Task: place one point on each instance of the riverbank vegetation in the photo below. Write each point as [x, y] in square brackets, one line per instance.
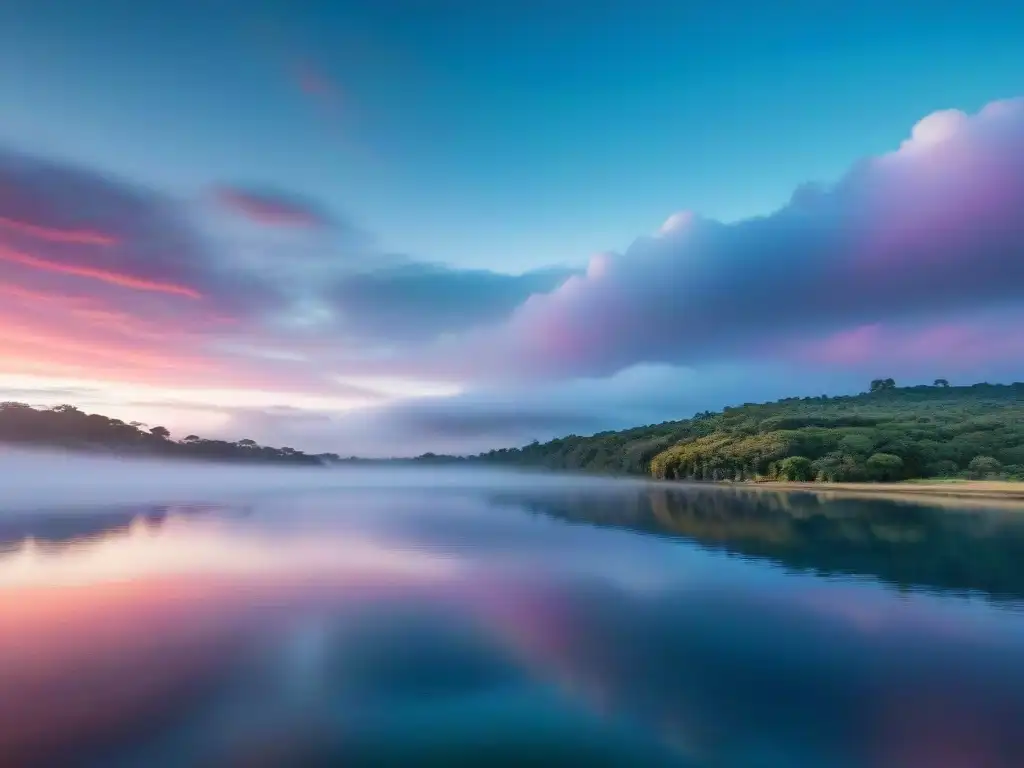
[887, 434]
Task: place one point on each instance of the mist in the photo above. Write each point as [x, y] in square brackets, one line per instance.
[38, 480]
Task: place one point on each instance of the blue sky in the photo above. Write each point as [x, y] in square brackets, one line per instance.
[448, 140]
[501, 135]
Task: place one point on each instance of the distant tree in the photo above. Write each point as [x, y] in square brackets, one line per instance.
[247, 443]
[983, 466]
[879, 385]
[941, 383]
[885, 467]
[66, 426]
[795, 469]
[837, 467]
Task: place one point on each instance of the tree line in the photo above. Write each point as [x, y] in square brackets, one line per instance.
[65, 426]
[889, 433]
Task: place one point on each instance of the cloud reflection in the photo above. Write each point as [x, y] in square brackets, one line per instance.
[378, 625]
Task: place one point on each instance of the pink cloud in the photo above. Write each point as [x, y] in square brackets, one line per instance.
[958, 344]
[270, 209]
[130, 294]
[95, 273]
[858, 345]
[79, 236]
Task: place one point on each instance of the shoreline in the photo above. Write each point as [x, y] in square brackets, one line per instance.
[984, 490]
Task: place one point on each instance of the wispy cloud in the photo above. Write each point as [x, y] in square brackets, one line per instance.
[95, 273]
[79, 236]
[271, 208]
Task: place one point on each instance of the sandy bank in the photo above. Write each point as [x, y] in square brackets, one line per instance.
[1010, 494]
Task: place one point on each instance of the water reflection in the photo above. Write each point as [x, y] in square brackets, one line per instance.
[908, 544]
[58, 528]
[378, 627]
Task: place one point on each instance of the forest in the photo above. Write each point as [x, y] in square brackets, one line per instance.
[65, 426]
[887, 434]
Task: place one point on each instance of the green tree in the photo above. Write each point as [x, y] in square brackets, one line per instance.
[943, 468]
[880, 385]
[795, 469]
[838, 467]
[885, 467]
[941, 383]
[983, 466]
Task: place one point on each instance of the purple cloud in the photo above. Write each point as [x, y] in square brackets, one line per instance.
[930, 229]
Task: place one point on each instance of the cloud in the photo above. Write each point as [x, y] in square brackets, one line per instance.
[104, 280]
[956, 344]
[96, 273]
[414, 301]
[272, 208]
[930, 229]
[411, 427]
[68, 228]
[482, 419]
[81, 236]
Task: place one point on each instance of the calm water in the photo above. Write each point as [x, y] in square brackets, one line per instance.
[512, 624]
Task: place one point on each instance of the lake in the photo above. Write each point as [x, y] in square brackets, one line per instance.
[448, 619]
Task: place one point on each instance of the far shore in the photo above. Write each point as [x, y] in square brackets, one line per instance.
[990, 490]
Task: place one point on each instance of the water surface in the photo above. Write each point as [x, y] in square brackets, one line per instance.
[511, 623]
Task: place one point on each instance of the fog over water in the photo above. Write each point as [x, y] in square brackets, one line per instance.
[44, 479]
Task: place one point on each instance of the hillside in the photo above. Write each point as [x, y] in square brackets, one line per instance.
[888, 434]
[66, 427]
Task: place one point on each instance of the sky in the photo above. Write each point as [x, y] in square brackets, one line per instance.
[395, 227]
